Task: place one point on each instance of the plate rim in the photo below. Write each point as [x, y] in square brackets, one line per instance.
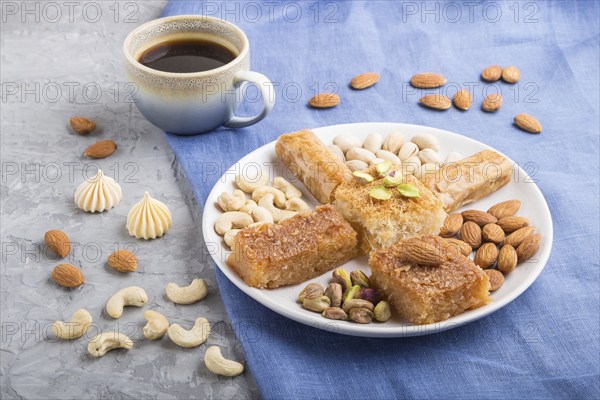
[371, 330]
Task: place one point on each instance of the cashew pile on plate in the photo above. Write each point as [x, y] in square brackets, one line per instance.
[419, 156]
[257, 202]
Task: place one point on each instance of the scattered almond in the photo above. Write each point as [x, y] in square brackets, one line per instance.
[511, 224]
[123, 261]
[82, 125]
[422, 253]
[481, 218]
[324, 100]
[505, 209]
[58, 242]
[492, 102]
[470, 233]
[486, 255]
[451, 225]
[492, 233]
[436, 101]
[365, 80]
[67, 275]
[491, 73]
[511, 74]
[427, 80]
[507, 259]
[463, 99]
[496, 278]
[462, 247]
[517, 237]
[528, 123]
[529, 247]
[101, 149]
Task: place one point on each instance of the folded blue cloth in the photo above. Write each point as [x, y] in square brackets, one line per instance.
[543, 345]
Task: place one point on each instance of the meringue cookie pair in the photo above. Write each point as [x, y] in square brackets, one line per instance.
[147, 219]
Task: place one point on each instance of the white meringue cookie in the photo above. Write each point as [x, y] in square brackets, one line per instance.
[98, 194]
[148, 218]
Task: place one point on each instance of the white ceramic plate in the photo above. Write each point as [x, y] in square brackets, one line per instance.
[283, 300]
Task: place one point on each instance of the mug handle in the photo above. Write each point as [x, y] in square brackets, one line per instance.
[268, 95]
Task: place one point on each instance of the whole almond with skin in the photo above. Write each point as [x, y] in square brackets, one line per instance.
[82, 125]
[451, 225]
[496, 279]
[462, 247]
[427, 80]
[123, 261]
[470, 233]
[101, 149]
[492, 102]
[492, 233]
[517, 237]
[511, 74]
[505, 209]
[491, 73]
[365, 80]
[529, 247]
[422, 253]
[507, 259]
[67, 275]
[486, 255]
[58, 241]
[324, 100]
[481, 218]
[511, 224]
[463, 99]
[436, 101]
[528, 123]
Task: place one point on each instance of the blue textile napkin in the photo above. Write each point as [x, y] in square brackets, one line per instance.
[545, 344]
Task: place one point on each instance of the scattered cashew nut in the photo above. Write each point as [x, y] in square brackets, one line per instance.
[130, 296]
[262, 216]
[103, 343]
[278, 195]
[192, 293]
[216, 363]
[231, 201]
[79, 324]
[278, 215]
[297, 204]
[248, 206]
[286, 187]
[229, 236]
[192, 338]
[249, 185]
[157, 325]
[232, 219]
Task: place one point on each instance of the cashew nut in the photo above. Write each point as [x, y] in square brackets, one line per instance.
[297, 204]
[278, 215]
[232, 219]
[229, 236]
[286, 187]
[157, 325]
[192, 293]
[278, 195]
[79, 324]
[262, 215]
[103, 343]
[249, 185]
[130, 296]
[248, 206]
[231, 201]
[192, 338]
[216, 363]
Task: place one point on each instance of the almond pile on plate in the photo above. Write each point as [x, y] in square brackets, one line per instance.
[499, 238]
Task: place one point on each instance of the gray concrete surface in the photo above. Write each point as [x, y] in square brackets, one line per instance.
[58, 61]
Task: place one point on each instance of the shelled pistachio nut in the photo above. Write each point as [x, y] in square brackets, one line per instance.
[316, 304]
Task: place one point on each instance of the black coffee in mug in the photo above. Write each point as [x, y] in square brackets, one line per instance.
[186, 55]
